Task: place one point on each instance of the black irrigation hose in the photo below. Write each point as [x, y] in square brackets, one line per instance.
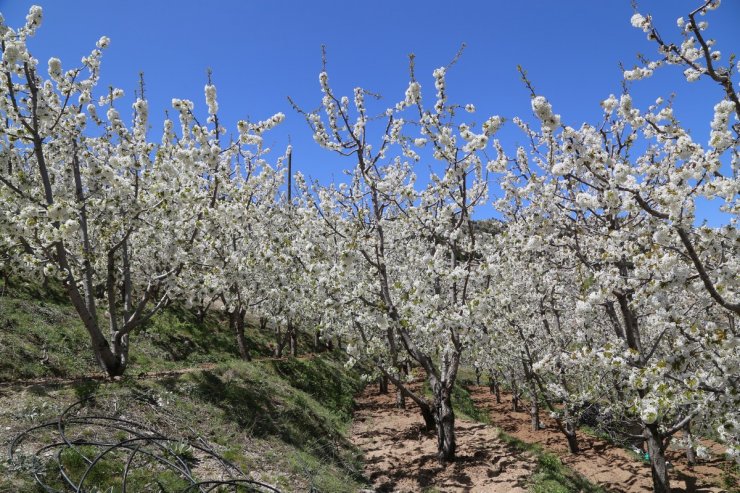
[145, 446]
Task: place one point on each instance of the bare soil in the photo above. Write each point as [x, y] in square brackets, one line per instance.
[401, 457]
[610, 466]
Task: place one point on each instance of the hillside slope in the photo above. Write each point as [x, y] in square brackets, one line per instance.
[282, 422]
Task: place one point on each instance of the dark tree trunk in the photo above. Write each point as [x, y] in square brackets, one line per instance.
[293, 341]
[400, 394]
[494, 386]
[317, 345]
[236, 320]
[115, 361]
[514, 396]
[569, 428]
[534, 405]
[400, 399]
[656, 450]
[572, 442]
[382, 384]
[445, 423]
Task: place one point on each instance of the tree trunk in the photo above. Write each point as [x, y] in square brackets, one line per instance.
[382, 384]
[514, 396]
[400, 394]
[317, 346]
[236, 320]
[400, 399]
[572, 442]
[569, 425]
[445, 423]
[293, 334]
[494, 386]
[534, 413]
[658, 466]
[113, 360]
[534, 405]
[690, 449]
[280, 340]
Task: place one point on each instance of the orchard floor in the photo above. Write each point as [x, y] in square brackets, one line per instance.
[400, 456]
[604, 464]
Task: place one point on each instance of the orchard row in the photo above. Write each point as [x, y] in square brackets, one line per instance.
[596, 289]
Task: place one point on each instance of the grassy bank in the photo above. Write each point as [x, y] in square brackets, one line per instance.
[282, 422]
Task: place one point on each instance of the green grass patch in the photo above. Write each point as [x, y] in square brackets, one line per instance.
[464, 406]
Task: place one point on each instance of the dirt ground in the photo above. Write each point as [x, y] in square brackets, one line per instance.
[611, 467]
[401, 457]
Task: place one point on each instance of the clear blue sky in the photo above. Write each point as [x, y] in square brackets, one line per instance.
[263, 51]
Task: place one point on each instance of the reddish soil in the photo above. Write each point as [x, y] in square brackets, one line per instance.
[602, 463]
[401, 457]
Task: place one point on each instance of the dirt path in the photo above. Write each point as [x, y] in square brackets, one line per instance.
[609, 466]
[400, 456]
[16, 385]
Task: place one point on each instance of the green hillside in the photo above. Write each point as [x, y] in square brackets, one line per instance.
[280, 421]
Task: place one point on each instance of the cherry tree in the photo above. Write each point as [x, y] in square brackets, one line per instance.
[111, 215]
[620, 198]
[408, 261]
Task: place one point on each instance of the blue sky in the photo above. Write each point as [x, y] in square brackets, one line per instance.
[263, 51]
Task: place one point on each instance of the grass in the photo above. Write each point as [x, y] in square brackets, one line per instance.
[250, 412]
[42, 336]
[551, 475]
[284, 421]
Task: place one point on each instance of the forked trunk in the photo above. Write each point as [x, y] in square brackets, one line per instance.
[658, 467]
[113, 361]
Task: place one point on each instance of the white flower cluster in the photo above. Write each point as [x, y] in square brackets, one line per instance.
[543, 110]
[720, 137]
[412, 96]
[210, 91]
[440, 84]
[641, 22]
